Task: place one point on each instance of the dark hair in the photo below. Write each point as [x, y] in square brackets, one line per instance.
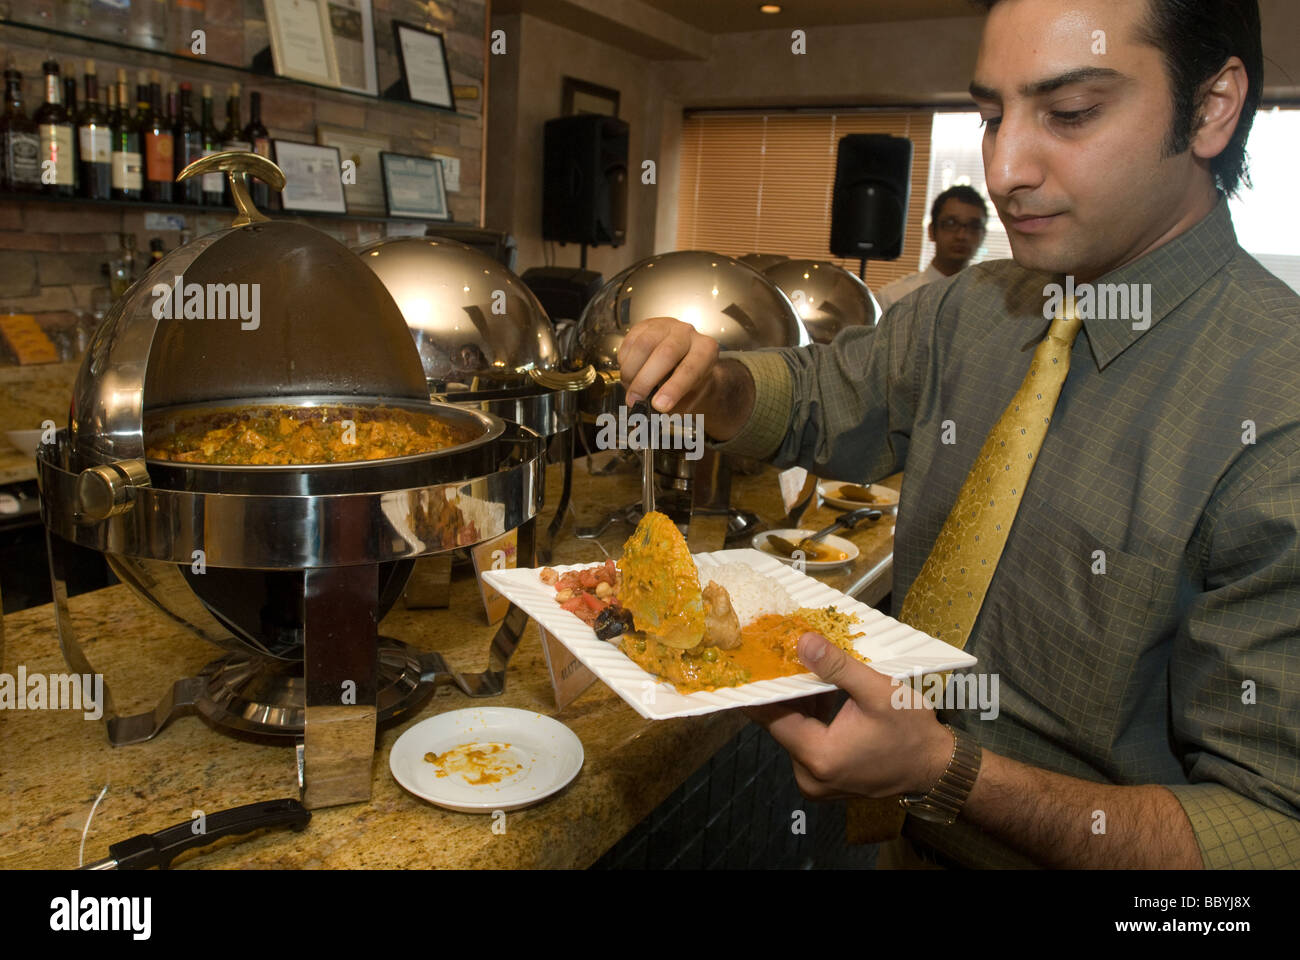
[1197, 37]
[960, 192]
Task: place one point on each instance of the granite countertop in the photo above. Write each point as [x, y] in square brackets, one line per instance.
[56, 763]
[28, 396]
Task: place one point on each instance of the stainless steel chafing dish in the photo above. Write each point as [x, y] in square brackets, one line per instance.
[290, 567]
[484, 340]
[827, 297]
[721, 297]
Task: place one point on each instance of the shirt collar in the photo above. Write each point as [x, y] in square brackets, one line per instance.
[933, 273]
[1166, 277]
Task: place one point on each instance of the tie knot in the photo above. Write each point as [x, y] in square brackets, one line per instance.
[1066, 327]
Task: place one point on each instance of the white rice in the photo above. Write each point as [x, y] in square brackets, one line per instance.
[752, 594]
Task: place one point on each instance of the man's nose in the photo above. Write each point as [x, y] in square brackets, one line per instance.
[1012, 161]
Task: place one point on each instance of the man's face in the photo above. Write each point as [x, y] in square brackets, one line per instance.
[1077, 111]
[957, 232]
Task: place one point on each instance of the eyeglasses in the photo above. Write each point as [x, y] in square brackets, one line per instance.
[953, 225]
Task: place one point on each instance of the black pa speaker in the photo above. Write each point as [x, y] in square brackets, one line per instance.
[563, 291]
[873, 184]
[584, 180]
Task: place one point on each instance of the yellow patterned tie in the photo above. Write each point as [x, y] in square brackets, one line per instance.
[945, 598]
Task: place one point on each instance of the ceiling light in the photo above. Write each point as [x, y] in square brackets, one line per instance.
[769, 8]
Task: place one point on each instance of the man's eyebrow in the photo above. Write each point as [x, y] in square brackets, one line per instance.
[1051, 84]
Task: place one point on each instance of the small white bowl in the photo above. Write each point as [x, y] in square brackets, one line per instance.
[25, 441]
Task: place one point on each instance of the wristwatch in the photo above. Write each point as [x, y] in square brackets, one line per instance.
[945, 799]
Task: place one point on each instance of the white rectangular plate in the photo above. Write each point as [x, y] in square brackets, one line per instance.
[894, 648]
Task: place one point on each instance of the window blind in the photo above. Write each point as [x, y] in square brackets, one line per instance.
[762, 183]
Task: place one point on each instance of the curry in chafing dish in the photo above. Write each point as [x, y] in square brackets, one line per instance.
[284, 435]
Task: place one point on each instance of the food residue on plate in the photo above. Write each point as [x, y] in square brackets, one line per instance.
[478, 763]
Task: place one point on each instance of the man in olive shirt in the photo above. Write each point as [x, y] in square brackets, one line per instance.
[1144, 617]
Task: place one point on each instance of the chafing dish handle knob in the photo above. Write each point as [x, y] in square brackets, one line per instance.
[108, 489]
[238, 165]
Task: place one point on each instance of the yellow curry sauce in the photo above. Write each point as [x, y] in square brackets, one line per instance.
[767, 650]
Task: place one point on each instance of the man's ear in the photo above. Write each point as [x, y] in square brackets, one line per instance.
[1222, 100]
[933, 238]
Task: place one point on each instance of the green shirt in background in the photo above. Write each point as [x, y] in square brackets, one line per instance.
[1172, 464]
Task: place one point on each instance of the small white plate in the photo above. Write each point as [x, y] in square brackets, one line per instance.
[548, 753]
[886, 499]
[794, 536]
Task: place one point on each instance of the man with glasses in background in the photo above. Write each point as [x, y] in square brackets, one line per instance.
[957, 224]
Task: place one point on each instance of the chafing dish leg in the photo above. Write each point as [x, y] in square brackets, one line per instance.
[178, 701]
[544, 551]
[341, 674]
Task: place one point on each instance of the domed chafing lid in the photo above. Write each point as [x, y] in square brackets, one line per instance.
[827, 297]
[473, 321]
[720, 297]
[265, 309]
[761, 261]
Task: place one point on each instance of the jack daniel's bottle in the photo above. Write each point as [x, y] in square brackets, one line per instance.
[20, 144]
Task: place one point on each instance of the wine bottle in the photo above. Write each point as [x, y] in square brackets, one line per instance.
[127, 156]
[20, 141]
[232, 135]
[212, 182]
[189, 147]
[260, 140]
[70, 106]
[58, 157]
[159, 148]
[96, 142]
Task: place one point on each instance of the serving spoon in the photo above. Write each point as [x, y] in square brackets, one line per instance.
[846, 521]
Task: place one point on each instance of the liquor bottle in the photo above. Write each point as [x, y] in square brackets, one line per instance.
[96, 142]
[189, 147]
[159, 148]
[173, 114]
[156, 252]
[212, 182]
[70, 105]
[20, 142]
[127, 156]
[232, 135]
[58, 158]
[256, 135]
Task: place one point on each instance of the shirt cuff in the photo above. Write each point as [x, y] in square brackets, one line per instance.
[766, 429]
[1235, 832]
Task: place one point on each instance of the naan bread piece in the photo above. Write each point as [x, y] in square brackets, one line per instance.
[660, 585]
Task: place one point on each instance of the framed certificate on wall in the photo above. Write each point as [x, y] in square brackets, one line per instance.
[312, 180]
[413, 187]
[363, 184]
[352, 32]
[302, 47]
[425, 73]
